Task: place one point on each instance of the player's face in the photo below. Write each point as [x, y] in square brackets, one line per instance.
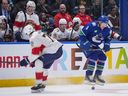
[3, 24]
[62, 27]
[30, 9]
[77, 27]
[103, 25]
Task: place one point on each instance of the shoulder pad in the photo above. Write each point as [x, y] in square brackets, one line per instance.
[57, 29]
[20, 12]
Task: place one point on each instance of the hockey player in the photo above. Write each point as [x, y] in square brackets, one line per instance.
[45, 50]
[75, 30]
[91, 36]
[61, 33]
[24, 18]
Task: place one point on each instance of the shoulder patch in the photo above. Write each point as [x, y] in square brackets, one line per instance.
[57, 29]
[93, 23]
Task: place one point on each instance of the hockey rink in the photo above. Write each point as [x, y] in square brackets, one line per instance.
[117, 89]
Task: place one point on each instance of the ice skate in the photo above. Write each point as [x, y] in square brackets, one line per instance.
[89, 80]
[38, 88]
[99, 80]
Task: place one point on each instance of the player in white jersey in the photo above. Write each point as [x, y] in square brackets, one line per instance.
[6, 34]
[45, 50]
[61, 33]
[75, 30]
[24, 18]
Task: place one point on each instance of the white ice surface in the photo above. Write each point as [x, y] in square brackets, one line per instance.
[118, 89]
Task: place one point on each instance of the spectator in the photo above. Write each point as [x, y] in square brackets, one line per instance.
[19, 6]
[114, 18]
[6, 34]
[111, 4]
[24, 18]
[72, 5]
[61, 33]
[85, 19]
[62, 14]
[54, 6]
[96, 9]
[117, 3]
[46, 22]
[42, 6]
[5, 9]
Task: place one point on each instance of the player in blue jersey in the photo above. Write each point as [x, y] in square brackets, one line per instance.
[93, 34]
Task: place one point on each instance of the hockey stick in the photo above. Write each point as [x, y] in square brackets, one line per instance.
[87, 50]
[73, 29]
[98, 49]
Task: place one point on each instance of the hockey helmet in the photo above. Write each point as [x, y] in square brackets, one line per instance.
[31, 3]
[103, 19]
[76, 19]
[2, 17]
[0, 20]
[62, 21]
[28, 29]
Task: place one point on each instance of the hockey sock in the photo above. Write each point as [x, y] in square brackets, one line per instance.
[45, 76]
[100, 67]
[38, 71]
[90, 66]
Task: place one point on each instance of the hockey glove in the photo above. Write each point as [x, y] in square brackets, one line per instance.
[106, 47]
[121, 38]
[24, 62]
[18, 36]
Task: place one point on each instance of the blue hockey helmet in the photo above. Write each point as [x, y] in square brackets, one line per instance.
[103, 19]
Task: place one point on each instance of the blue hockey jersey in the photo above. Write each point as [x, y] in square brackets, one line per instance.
[94, 34]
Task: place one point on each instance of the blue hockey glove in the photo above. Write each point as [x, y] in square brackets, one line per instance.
[24, 62]
[106, 47]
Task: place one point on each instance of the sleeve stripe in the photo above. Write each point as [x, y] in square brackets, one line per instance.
[37, 50]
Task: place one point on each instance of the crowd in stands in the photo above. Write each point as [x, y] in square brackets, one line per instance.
[62, 19]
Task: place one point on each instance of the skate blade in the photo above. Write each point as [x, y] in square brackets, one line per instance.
[89, 83]
[37, 91]
[99, 83]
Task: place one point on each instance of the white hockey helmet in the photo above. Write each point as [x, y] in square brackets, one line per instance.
[28, 29]
[62, 21]
[77, 19]
[2, 17]
[31, 3]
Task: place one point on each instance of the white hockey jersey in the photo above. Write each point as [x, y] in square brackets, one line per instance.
[74, 34]
[59, 35]
[20, 22]
[42, 44]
